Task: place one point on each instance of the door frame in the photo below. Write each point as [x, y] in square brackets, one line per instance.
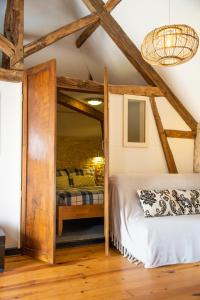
[24, 155]
[92, 87]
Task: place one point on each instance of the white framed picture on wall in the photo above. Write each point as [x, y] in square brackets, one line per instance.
[135, 121]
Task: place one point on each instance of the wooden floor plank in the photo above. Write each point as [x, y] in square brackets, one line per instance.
[85, 273]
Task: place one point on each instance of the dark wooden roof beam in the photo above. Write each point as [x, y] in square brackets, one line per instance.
[109, 6]
[58, 34]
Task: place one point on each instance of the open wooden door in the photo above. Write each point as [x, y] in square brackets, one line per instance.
[39, 206]
[106, 156]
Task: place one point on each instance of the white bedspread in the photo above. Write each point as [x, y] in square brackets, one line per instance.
[154, 241]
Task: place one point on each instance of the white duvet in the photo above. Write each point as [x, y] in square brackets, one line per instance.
[154, 241]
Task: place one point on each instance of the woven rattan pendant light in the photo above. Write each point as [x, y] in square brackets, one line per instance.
[170, 45]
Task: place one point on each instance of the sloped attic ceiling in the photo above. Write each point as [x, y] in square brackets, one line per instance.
[136, 18]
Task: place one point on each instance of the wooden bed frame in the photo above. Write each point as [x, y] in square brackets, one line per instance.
[77, 212]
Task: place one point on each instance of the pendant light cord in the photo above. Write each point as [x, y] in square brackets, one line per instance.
[169, 12]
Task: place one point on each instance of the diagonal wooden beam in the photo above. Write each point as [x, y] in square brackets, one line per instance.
[79, 106]
[58, 34]
[133, 54]
[163, 139]
[109, 6]
[6, 46]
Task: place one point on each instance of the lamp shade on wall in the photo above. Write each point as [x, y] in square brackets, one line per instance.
[170, 45]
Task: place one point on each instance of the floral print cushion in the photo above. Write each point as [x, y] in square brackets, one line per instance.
[189, 201]
[156, 203]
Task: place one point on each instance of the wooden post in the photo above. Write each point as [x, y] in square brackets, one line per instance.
[14, 32]
[5, 58]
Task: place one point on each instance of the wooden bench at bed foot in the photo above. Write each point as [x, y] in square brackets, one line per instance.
[77, 212]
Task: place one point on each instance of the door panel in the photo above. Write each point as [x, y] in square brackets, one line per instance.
[106, 155]
[40, 209]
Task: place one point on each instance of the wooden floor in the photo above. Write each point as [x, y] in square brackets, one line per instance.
[85, 273]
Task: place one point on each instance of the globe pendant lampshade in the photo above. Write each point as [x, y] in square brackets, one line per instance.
[170, 45]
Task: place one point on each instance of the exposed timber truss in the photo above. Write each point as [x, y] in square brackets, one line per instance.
[14, 52]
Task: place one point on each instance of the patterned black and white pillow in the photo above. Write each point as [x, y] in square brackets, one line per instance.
[157, 203]
[189, 201]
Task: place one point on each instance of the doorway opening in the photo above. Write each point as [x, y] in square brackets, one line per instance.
[79, 168]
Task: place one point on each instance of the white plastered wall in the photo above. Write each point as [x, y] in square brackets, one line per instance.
[10, 160]
[150, 159]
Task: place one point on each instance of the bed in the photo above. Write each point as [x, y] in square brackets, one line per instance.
[153, 241]
[79, 203]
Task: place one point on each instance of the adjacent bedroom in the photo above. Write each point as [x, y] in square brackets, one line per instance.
[79, 168]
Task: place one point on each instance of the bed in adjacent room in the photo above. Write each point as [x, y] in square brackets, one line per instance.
[154, 241]
[78, 196]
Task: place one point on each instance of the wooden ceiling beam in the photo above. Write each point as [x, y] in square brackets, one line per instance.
[133, 54]
[90, 86]
[78, 85]
[79, 106]
[11, 75]
[58, 34]
[135, 90]
[180, 134]
[109, 6]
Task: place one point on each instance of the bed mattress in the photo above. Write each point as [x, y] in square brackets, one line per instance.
[153, 241]
[91, 195]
